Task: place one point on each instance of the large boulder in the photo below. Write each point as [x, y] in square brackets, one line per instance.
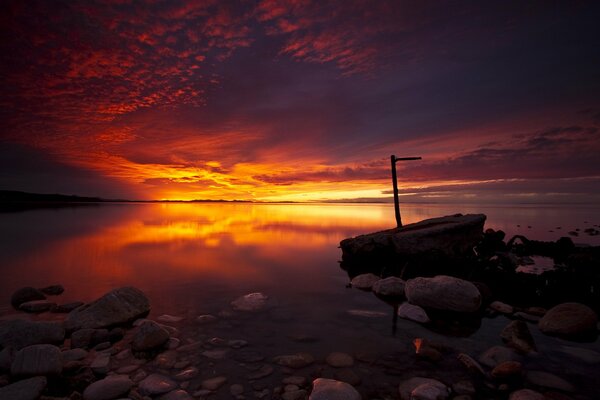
[19, 333]
[443, 293]
[116, 307]
[27, 389]
[451, 236]
[329, 389]
[149, 336]
[569, 320]
[39, 359]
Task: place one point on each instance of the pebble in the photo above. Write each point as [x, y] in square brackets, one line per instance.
[237, 343]
[470, 363]
[262, 372]
[173, 343]
[74, 355]
[430, 391]
[156, 384]
[111, 387]
[517, 335]
[169, 319]
[294, 395]
[294, 380]
[215, 354]
[507, 369]
[496, 355]
[464, 387]
[149, 336]
[299, 360]
[100, 364]
[127, 369]
[37, 306]
[24, 295]
[213, 383]
[526, 394]
[406, 388]
[52, 290]
[339, 360]
[329, 389]
[178, 394]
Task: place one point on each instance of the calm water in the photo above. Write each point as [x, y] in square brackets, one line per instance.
[194, 259]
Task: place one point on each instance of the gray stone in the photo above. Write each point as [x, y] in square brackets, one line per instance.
[364, 281]
[116, 307]
[548, 381]
[27, 389]
[213, 383]
[299, 360]
[38, 359]
[109, 388]
[19, 333]
[150, 335]
[250, 302]
[413, 313]
[329, 389]
[339, 360]
[526, 394]
[569, 320]
[406, 388]
[37, 306]
[25, 294]
[443, 293]
[389, 287]
[156, 384]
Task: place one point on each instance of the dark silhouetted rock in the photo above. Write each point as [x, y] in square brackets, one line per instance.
[389, 287]
[569, 320]
[39, 359]
[548, 381]
[329, 389]
[53, 290]
[364, 281]
[407, 387]
[413, 313]
[20, 333]
[27, 389]
[116, 307]
[443, 293]
[156, 384]
[299, 360]
[149, 336]
[109, 388]
[507, 369]
[517, 335]
[24, 295]
[66, 308]
[87, 338]
[37, 306]
[526, 394]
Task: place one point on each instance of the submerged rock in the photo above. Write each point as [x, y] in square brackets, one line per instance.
[501, 307]
[299, 360]
[443, 293]
[213, 383]
[548, 381]
[38, 359]
[364, 281]
[27, 389]
[37, 306]
[118, 306]
[389, 287]
[569, 320]
[52, 290]
[156, 384]
[407, 387]
[250, 302]
[149, 336]
[25, 294]
[20, 333]
[496, 355]
[329, 389]
[517, 335]
[339, 360]
[112, 387]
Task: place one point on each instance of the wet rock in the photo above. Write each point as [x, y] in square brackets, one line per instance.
[101, 363]
[66, 308]
[213, 383]
[548, 381]
[507, 369]
[205, 319]
[169, 319]
[262, 372]
[156, 384]
[178, 394]
[429, 353]
[118, 306]
[299, 360]
[443, 293]
[173, 343]
[413, 313]
[470, 363]
[52, 290]
[517, 335]
[20, 333]
[86, 338]
[364, 281]
[25, 294]
[430, 391]
[406, 388]
[237, 343]
[37, 306]
[27, 389]
[569, 320]
[149, 336]
[74, 355]
[389, 287]
[339, 360]
[128, 369]
[329, 389]
[502, 308]
[236, 389]
[526, 394]
[496, 355]
[250, 302]
[109, 388]
[38, 359]
[187, 374]
[218, 354]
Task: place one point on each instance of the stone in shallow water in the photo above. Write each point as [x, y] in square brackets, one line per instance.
[339, 360]
[169, 319]
[389, 287]
[74, 355]
[507, 369]
[149, 336]
[187, 374]
[205, 319]
[443, 293]
[215, 354]
[53, 290]
[548, 381]
[37, 306]
[156, 384]
[178, 394]
[262, 372]
[413, 313]
[517, 335]
[27, 389]
[430, 391]
[25, 294]
[250, 302]
[214, 383]
[569, 320]
[39, 359]
[367, 313]
[405, 388]
[20, 333]
[330, 389]
[109, 388]
[116, 307]
[586, 355]
[101, 363]
[364, 281]
[299, 360]
[502, 307]
[496, 355]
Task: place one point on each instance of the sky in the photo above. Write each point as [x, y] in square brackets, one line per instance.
[301, 100]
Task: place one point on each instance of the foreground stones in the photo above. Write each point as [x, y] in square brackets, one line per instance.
[443, 293]
[39, 359]
[364, 281]
[389, 287]
[111, 387]
[27, 389]
[20, 333]
[569, 320]
[423, 388]
[24, 295]
[329, 389]
[149, 336]
[517, 335]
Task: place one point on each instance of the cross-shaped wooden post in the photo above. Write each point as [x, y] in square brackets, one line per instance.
[394, 160]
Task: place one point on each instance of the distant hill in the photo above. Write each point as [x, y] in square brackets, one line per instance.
[13, 196]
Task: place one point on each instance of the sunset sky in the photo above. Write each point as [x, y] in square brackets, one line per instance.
[301, 100]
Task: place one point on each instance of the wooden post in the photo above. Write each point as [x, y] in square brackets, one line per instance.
[393, 161]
